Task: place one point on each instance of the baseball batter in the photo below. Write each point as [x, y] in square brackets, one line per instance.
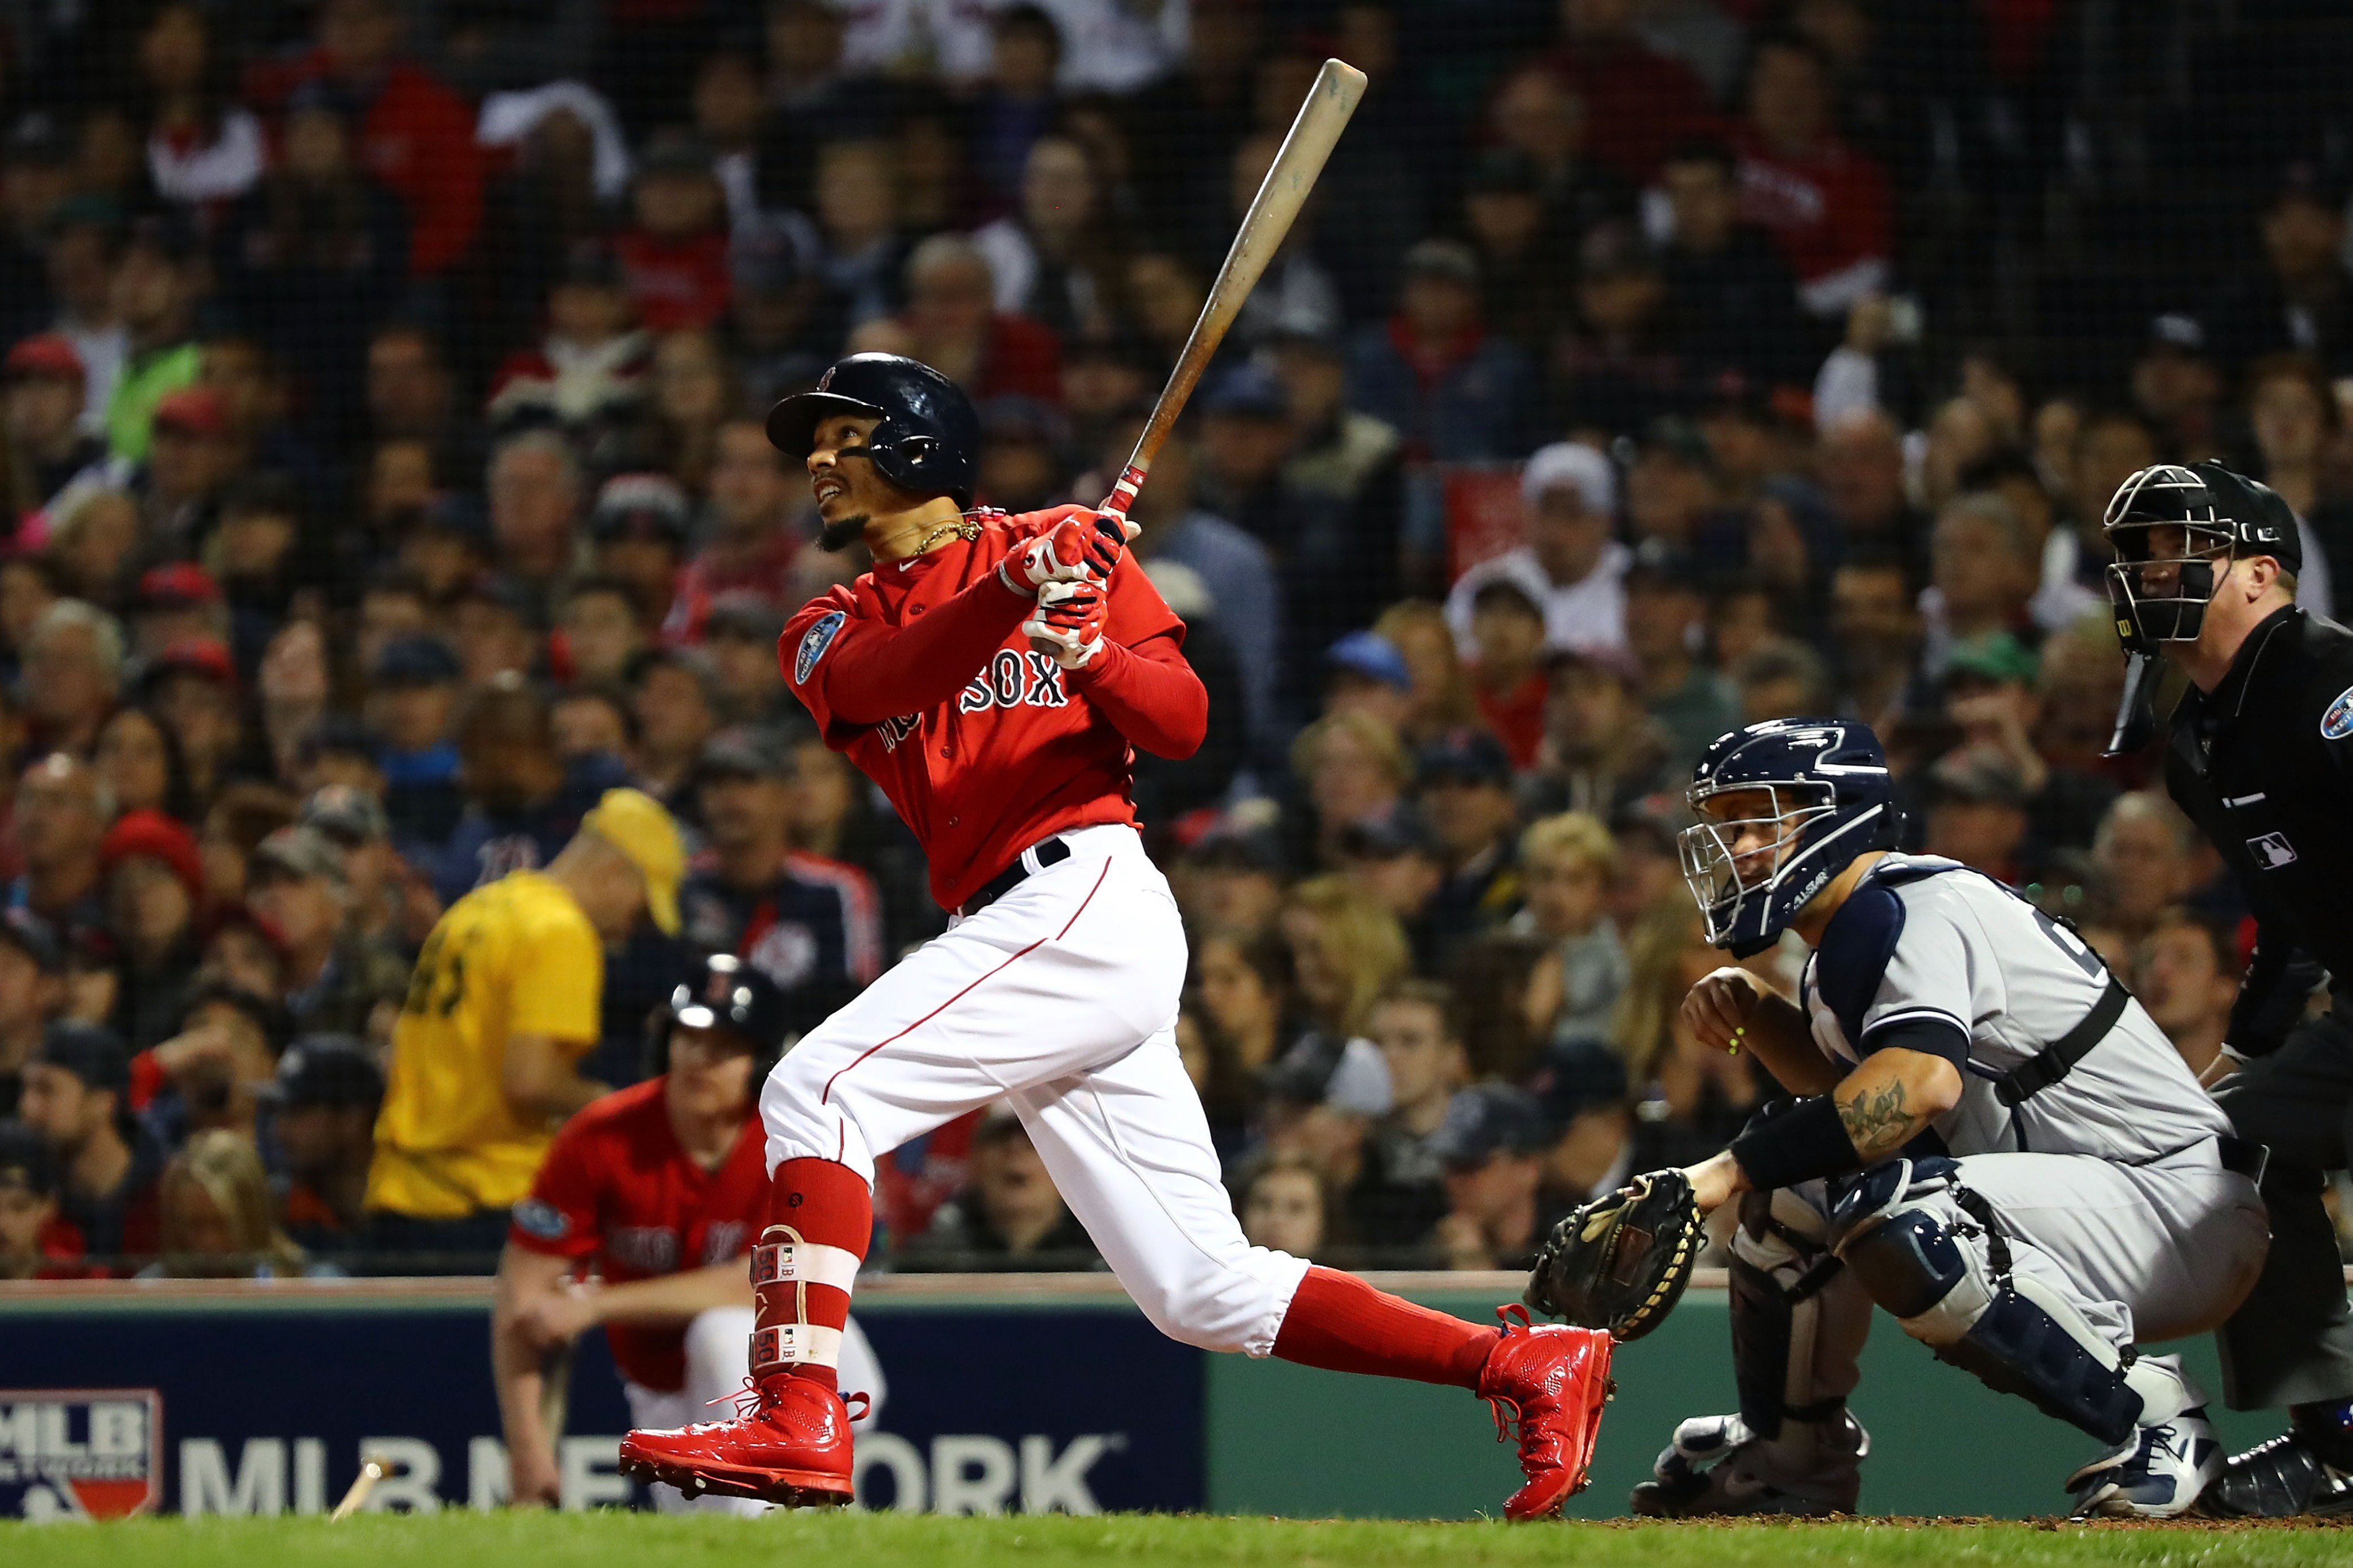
[1997, 1146]
[993, 675]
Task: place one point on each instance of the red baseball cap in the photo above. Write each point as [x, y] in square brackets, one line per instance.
[192, 410]
[45, 353]
[195, 656]
[177, 587]
[156, 836]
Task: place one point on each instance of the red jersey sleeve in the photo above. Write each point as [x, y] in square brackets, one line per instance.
[1140, 681]
[560, 1218]
[808, 639]
[853, 671]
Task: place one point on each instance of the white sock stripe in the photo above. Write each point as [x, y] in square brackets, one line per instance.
[804, 1263]
[794, 1345]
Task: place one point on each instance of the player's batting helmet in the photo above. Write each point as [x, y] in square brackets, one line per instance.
[1824, 798]
[729, 994]
[929, 440]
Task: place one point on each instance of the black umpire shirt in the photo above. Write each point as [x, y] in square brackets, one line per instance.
[2264, 764]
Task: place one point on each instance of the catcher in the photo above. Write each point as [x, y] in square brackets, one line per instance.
[1992, 1142]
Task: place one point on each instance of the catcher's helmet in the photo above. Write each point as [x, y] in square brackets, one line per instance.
[2170, 524]
[929, 440]
[1827, 799]
[728, 995]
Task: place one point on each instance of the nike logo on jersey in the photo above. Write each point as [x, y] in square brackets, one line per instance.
[1014, 680]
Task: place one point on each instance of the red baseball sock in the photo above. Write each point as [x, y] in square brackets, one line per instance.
[820, 1219]
[1339, 1322]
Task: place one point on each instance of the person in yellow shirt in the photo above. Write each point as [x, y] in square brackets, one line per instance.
[505, 1001]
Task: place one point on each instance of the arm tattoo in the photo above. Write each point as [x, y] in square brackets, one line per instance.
[1878, 1123]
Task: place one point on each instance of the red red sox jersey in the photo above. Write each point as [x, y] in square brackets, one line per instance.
[618, 1189]
[1018, 754]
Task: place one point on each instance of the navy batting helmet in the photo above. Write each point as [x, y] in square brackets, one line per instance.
[929, 440]
[1825, 798]
[728, 995]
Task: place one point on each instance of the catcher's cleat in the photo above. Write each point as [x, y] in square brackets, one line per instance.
[2281, 1478]
[789, 1443]
[1716, 1468]
[2157, 1472]
[1551, 1382]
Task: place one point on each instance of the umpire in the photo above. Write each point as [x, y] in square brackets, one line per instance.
[2259, 755]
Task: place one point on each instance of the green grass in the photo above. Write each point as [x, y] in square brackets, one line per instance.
[895, 1540]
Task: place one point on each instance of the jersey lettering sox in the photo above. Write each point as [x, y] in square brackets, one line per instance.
[1018, 755]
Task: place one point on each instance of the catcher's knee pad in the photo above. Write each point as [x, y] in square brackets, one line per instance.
[2011, 1334]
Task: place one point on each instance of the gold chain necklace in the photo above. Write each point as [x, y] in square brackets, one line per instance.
[965, 527]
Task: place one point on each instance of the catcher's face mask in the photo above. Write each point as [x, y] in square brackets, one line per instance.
[1737, 855]
[2172, 547]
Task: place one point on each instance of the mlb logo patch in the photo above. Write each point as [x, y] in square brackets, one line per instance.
[2338, 722]
[2272, 850]
[81, 1453]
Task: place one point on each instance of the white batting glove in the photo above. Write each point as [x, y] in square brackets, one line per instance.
[1068, 622]
[1073, 544]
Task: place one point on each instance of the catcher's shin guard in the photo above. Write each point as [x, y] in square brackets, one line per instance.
[1798, 1321]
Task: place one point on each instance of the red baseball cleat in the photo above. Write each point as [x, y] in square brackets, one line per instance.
[788, 1444]
[1554, 1380]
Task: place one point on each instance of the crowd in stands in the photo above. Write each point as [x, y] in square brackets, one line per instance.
[383, 479]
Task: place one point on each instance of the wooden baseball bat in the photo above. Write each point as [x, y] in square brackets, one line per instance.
[372, 1470]
[1339, 87]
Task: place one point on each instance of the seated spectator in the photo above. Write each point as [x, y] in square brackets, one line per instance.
[193, 688]
[1616, 366]
[601, 630]
[1637, 101]
[590, 367]
[1055, 259]
[1566, 864]
[243, 955]
[412, 697]
[1859, 456]
[326, 1127]
[1696, 1100]
[1825, 202]
[32, 992]
[214, 1219]
[154, 887]
[1781, 680]
[1364, 674]
[1599, 1144]
[1976, 814]
[1008, 1218]
[1394, 861]
[1601, 750]
[386, 898]
[75, 1096]
[1875, 632]
[246, 813]
[215, 1070]
[2300, 296]
[336, 979]
[752, 541]
[1350, 769]
[693, 393]
[158, 280]
[1506, 667]
[740, 635]
[1439, 699]
[812, 926]
[1285, 1207]
[493, 626]
[1402, 1193]
[1489, 1145]
[41, 430]
[34, 1243]
[92, 545]
[1983, 576]
[1731, 297]
[1339, 453]
[955, 326]
[1453, 393]
[2187, 974]
[2143, 864]
[1241, 1006]
[1464, 791]
[138, 762]
[72, 674]
[1231, 883]
[671, 693]
[673, 254]
[1665, 612]
[58, 823]
[638, 530]
[524, 803]
[1345, 951]
[1570, 565]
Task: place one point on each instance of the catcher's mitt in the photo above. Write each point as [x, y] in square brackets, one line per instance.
[1620, 1262]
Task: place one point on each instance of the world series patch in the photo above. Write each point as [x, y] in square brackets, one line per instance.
[814, 642]
[2338, 723]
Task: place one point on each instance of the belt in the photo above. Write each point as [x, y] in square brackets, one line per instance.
[1029, 863]
[2242, 1156]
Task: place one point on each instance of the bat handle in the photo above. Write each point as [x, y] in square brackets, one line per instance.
[1122, 495]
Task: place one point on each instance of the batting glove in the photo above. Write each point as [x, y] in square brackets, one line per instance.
[1068, 622]
[1073, 544]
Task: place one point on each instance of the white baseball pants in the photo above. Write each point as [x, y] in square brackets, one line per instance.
[1060, 998]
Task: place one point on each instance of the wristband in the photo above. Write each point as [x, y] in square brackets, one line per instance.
[1807, 1142]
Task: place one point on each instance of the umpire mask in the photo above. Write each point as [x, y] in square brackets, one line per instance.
[2175, 528]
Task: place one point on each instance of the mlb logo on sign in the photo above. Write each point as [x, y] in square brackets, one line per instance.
[81, 1453]
[2272, 851]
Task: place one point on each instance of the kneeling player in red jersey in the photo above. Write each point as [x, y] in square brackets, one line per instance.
[659, 1187]
[993, 674]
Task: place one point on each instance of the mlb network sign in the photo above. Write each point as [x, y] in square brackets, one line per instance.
[81, 1453]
